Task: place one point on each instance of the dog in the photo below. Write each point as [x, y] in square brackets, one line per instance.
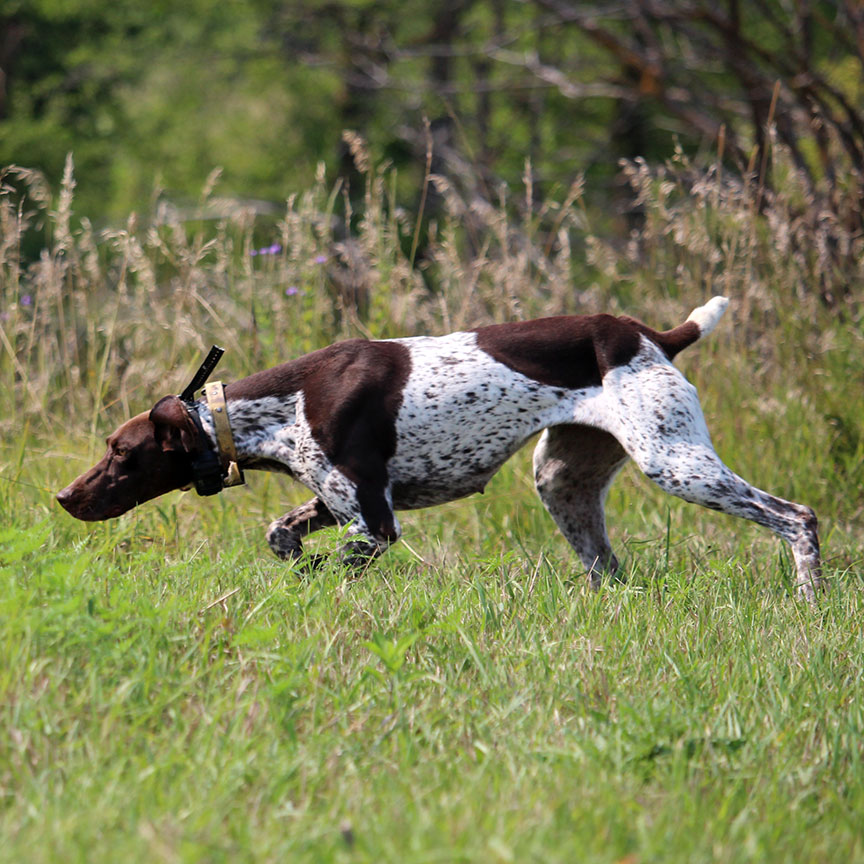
[373, 427]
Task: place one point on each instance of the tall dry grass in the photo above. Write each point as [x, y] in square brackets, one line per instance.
[101, 321]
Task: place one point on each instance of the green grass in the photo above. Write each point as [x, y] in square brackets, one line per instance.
[479, 705]
[169, 692]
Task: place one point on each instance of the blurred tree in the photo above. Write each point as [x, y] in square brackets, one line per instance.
[165, 92]
[707, 66]
[159, 94]
[726, 73]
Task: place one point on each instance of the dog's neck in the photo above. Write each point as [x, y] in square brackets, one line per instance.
[260, 427]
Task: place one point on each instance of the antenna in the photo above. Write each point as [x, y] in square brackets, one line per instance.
[203, 373]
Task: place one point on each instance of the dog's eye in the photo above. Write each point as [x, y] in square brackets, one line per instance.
[125, 458]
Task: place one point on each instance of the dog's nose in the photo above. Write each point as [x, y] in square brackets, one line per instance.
[64, 496]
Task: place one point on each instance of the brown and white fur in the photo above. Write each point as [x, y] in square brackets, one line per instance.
[372, 427]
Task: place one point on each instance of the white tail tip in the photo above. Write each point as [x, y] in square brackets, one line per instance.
[708, 315]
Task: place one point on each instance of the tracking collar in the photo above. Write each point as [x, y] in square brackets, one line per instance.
[212, 469]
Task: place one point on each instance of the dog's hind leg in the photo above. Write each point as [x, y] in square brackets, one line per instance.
[286, 534]
[573, 469]
[655, 413]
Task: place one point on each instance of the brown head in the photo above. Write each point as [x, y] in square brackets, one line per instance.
[149, 455]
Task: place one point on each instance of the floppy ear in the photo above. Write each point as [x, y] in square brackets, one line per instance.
[174, 427]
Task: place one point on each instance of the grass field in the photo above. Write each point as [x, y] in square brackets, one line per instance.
[170, 692]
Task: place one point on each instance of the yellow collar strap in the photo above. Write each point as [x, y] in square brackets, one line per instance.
[214, 393]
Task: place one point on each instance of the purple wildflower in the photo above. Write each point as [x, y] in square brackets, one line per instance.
[321, 259]
[26, 300]
[291, 290]
[275, 249]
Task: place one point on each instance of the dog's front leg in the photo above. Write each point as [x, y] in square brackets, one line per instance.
[372, 524]
[286, 534]
[362, 506]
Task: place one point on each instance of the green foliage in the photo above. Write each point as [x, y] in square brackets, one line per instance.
[152, 96]
[128, 87]
[170, 692]
[695, 714]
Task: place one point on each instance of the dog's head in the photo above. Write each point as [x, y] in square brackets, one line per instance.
[149, 455]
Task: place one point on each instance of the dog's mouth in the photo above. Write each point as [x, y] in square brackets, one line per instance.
[84, 510]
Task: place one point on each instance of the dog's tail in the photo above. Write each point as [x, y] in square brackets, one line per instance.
[706, 317]
[699, 323]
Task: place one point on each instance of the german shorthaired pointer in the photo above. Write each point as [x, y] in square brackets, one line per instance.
[376, 426]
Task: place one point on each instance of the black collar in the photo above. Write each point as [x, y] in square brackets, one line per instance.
[206, 466]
